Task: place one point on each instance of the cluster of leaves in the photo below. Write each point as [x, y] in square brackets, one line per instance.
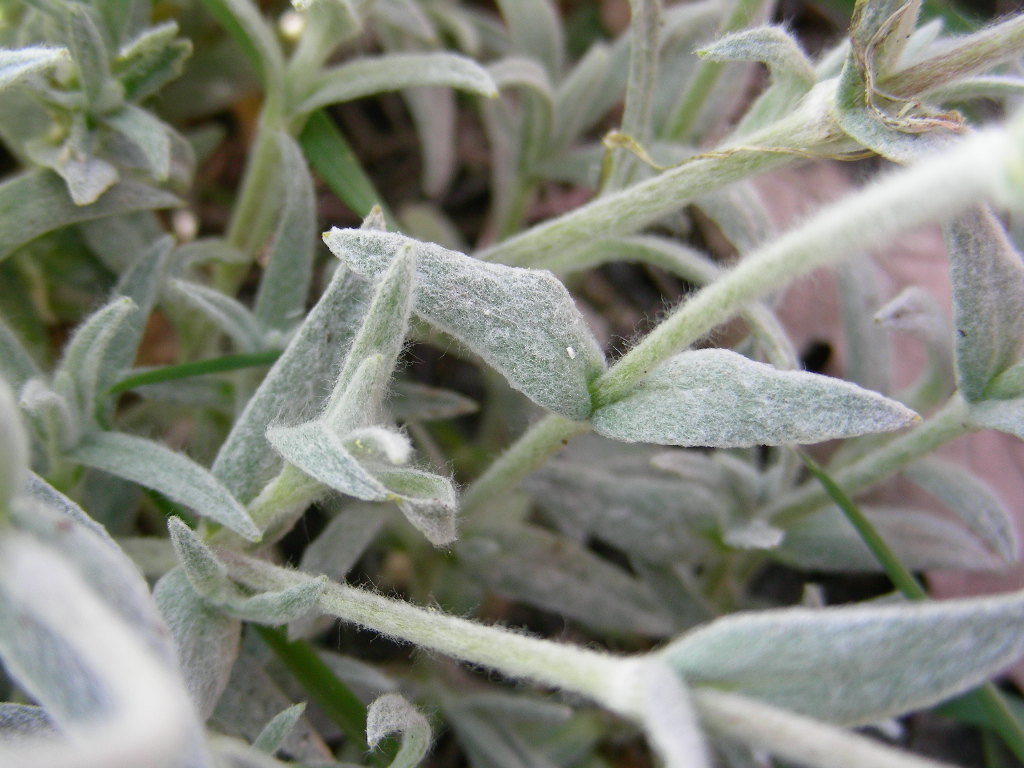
[125, 646]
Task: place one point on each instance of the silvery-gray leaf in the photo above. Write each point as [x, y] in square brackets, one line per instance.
[206, 574]
[973, 501]
[272, 737]
[855, 664]
[583, 97]
[118, 240]
[88, 668]
[987, 275]
[405, 16]
[866, 359]
[252, 698]
[791, 71]
[14, 450]
[381, 444]
[52, 415]
[36, 202]
[982, 87]
[277, 607]
[205, 638]
[336, 549]
[281, 298]
[377, 74]
[18, 62]
[921, 540]
[147, 133]
[22, 720]
[647, 514]
[717, 398]
[535, 30]
[551, 572]
[521, 72]
[741, 214]
[152, 58]
[87, 177]
[85, 544]
[207, 250]
[366, 680]
[434, 117]
[92, 358]
[155, 466]
[320, 452]
[493, 310]
[16, 364]
[490, 742]
[90, 54]
[392, 713]
[428, 501]
[668, 717]
[410, 401]
[295, 386]
[360, 390]
[1004, 415]
[1007, 385]
[228, 315]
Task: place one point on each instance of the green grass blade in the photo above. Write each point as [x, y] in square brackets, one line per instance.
[986, 704]
[196, 368]
[333, 159]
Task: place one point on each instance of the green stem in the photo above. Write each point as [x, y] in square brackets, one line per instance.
[332, 695]
[945, 425]
[195, 368]
[528, 453]
[703, 82]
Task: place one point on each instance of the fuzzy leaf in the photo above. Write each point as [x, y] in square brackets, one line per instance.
[19, 62]
[90, 55]
[92, 359]
[922, 541]
[1004, 415]
[987, 275]
[548, 571]
[151, 60]
[717, 398]
[85, 544]
[392, 713]
[229, 315]
[416, 402]
[281, 299]
[84, 665]
[37, 202]
[320, 452]
[206, 574]
[294, 387]
[176, 476]
[86, 176]
[428, 501]
[16, 364]
[359, 390]
[148, 134]
[277, 607]
[52, 414]
[521, 72]
[583, 97]
[493, 310]
[14, 451]
[536, 31]
[273, 735]
[669, 718]
[335, 551]
[205, 638]
[973, 502]
[791, 71]
[393, 72]
[18, 721]
[855, 664]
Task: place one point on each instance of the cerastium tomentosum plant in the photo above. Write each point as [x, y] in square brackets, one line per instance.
[124, 646]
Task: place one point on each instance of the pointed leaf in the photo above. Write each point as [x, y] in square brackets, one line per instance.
[921, 540]
[380, 338]
[176, 476]
[294, 387]
[855, 664]
[230, 316]
[536, 31]
[206, 640]
[206, 574]
[37, 202]
[277, 607]
[148, 134]
[428, 501]
[973, 502]
[414, 402]
[669, 718]
[493, 310]
[717, 398]
[987, 275]
[320, 452]
[335, 551]
[90, 54]
[281, 299]
[546, 570]
[272, 737]
[92, 359]
[378, 74]
[16, 364]
[392, 713]
[18, 62]
[151, 60]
